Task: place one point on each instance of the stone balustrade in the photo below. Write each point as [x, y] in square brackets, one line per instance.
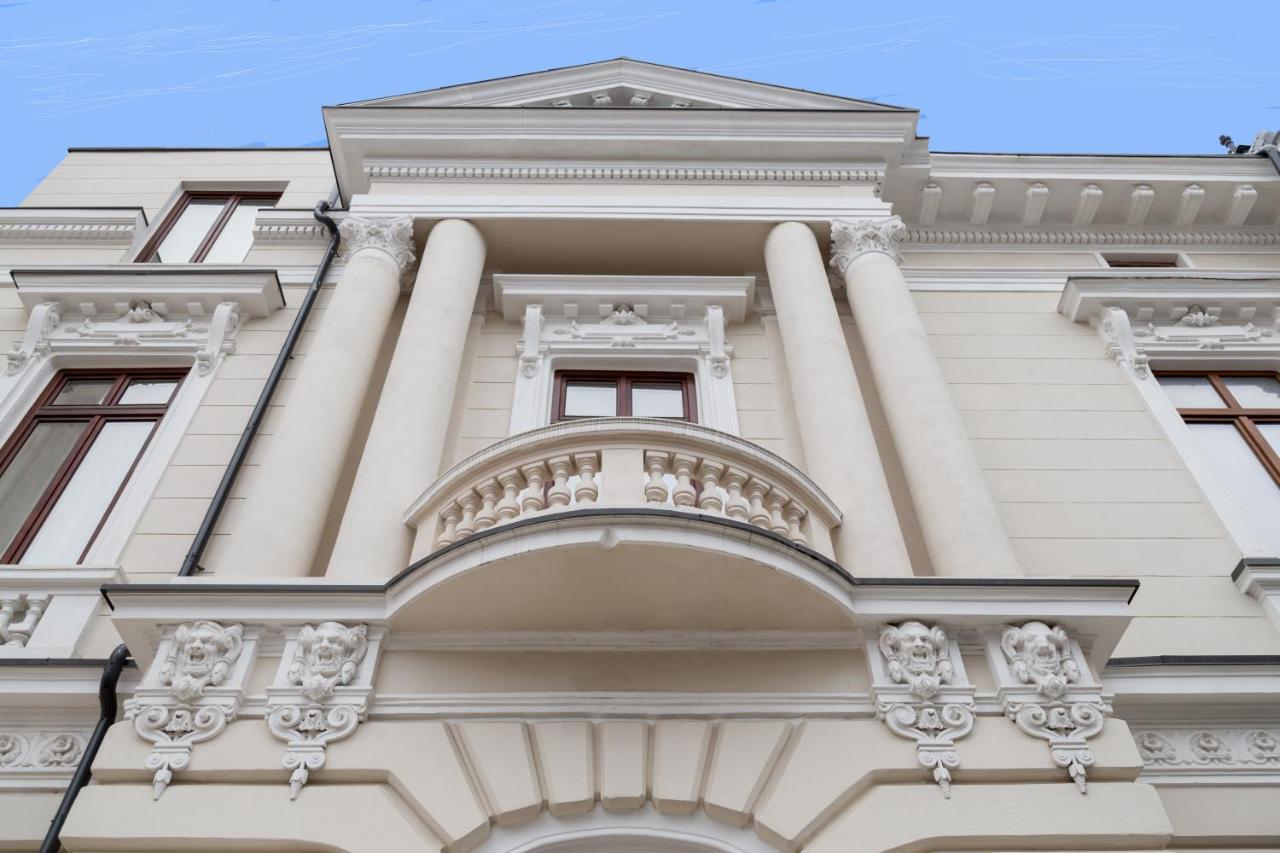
[622, 462]
[19, 615]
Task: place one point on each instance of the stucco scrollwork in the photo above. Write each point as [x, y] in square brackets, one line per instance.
[925, 699]
[1044, 693]
[318, 705]
[34, 753]
[191, 698]
[392, 235]
[1231, 752]
[852, 238]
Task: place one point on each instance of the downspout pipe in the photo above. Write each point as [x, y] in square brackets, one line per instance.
[191, 563]
[107, 705]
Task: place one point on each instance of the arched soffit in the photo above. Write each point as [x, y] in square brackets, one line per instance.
[622, 569]
[645, 831]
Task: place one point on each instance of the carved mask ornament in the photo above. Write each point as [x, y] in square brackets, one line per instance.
[327, 657]
[202, 656]
[916, 655]
[1040, 655]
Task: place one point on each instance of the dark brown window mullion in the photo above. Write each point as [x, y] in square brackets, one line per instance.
[1266, 453]
[215, 230]
[128, 475]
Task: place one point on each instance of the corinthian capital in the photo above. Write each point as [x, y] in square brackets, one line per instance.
[391, 234]
[851, 238]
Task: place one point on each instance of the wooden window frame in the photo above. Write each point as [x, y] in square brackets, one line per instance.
[625, 381]
[109, 411]
[1244, 419]
[149, 253]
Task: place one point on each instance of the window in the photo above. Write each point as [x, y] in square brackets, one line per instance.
[211, 228]
[1234, 418]
[598, 394]
[64, 467]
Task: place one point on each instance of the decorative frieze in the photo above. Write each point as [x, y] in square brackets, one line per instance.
[322, 693]
[1086, 237]
[1043, 688]
[1234, 751]
[40, 750]
[920, 692]
[194, 689]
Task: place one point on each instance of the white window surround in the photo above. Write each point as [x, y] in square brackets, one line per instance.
[653, 323]
[180, 192]
[1150, 322]
[131, 317]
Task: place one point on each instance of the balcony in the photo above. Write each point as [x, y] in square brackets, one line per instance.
[623, 463]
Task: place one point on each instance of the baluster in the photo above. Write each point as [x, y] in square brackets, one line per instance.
[736, 507]
[535, 490]
[757, 514]
[793, 513]
[20, 634]
[488, 515]
[709, 474]
[655, 490]
[559, 495]
[775, 500]
[8, 608]
[588, 489]
[449, 518]
[509, 507]
[469, 502]
[684, 494]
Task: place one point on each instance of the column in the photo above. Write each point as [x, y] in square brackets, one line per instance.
[283, 519]
[957, 515]
[839, 449]
[406, 440]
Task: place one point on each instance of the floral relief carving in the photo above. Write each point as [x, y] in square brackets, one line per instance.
[924, 703]
[1262, 747]
[24, 752]
[1155, 748]
[325, 657]
[181, 713]
[12, 749]
[1214, 750]
[60, 751]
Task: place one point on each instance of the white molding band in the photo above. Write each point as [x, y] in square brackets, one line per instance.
[411, 171]
[1088, 237]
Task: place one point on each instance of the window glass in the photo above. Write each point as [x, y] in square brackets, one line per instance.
[236, 236]
[189, 231]
[657, 400]
[75, 516]
[1191, 392]
[32, 469]
[1254, 392]
[155, 392]
[1271, 432]
[83, 392]
[590, 399]
[1242, 473]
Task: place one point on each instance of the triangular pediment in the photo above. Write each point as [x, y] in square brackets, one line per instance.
[624, 83]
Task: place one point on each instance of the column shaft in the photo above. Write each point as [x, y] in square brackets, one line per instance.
[406, 440]
[957, 514]
[283, 519]
[840, 451]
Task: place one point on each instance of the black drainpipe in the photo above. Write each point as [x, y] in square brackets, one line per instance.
[191, 563]
[106, 717]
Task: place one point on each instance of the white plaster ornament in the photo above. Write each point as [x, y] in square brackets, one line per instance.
[326, 657]
[201, 657]
[917, 657]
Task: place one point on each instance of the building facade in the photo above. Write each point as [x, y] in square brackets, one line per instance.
[623, 458]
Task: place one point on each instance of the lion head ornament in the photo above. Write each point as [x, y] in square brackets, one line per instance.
[201, 657]
[917, 657]
[1040, 655]
[327, 657]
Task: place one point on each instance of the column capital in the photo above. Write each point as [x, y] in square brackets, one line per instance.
[390, 234]
[852, 238]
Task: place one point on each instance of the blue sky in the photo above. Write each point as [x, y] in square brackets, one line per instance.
[1026, 76]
